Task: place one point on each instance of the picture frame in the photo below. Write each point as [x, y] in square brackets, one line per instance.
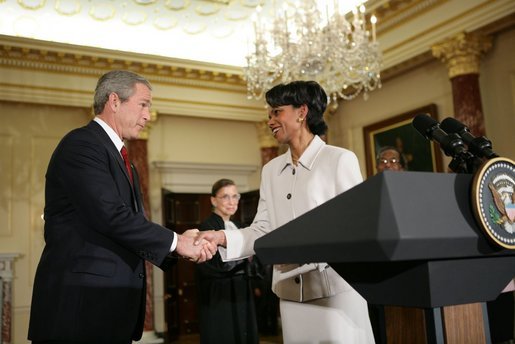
[419, 153]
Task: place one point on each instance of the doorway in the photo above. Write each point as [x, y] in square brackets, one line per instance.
[182, 211]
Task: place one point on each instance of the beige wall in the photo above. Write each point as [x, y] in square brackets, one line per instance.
[497, 82]
[28, 135]
[199, 140]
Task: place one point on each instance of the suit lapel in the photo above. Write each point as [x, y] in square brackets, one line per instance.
[115, 155]
[137, 190]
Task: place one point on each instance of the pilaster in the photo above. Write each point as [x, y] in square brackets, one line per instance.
[462, 55]
[6, 278]
[138, 150]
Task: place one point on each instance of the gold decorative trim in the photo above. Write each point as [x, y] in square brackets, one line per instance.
[251, 3]
[394, 13]
[102, 12]
[144, 134]
[207, 9]
[236, 14]
[165, 22]
[28, 55]
[67, 8]
[134, 18]
[145, 2]
[35, 58]
[462, 52]
[34, 5]
[492, 200]
[177, 5]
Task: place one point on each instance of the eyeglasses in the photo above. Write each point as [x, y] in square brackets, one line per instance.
[227, 198]
[392, 161]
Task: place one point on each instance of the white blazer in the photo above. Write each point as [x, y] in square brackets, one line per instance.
[286, 192]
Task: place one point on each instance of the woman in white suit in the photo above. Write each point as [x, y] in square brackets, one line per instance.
[317, 305]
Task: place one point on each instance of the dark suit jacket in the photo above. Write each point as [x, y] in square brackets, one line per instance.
[90, 282]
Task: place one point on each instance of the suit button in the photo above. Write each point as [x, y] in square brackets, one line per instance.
[297, 280]
[141, 275]
[293, 172]
[288, 196]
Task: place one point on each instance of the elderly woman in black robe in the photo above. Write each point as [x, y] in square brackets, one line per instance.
[226, 304]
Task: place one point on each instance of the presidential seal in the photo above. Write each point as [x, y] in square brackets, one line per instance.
[493, 199]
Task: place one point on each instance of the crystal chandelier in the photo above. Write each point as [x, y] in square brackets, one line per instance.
[302, 43]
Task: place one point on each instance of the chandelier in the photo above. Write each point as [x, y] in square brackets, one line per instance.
[303, 43]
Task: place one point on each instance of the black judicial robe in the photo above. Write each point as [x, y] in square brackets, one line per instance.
[226, 303]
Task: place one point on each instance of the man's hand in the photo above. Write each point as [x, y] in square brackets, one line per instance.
[215, 237]
[196, 252]
[191, 232]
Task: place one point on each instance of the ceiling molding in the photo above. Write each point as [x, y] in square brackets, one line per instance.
[38, 72]
[58, 57]
[416, 37]
[492, 29]
[198, 177]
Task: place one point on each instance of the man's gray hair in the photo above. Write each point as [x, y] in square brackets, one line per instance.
[121, 82]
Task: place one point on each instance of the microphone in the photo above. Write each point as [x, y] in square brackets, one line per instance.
[479, 146]
[451, 144]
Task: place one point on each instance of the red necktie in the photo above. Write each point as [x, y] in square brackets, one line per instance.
[125, 156]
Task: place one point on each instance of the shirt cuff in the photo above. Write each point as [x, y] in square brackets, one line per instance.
[234, 246]
[174, 242]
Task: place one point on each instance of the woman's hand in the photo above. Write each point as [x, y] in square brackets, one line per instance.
[216, 238]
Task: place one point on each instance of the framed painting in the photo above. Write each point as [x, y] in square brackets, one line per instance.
[418, 153]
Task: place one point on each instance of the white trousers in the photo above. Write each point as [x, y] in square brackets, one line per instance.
[342, 318]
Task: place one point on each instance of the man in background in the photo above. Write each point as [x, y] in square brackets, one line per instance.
[389, 158]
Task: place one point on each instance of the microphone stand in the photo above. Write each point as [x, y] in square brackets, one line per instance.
[462, 160]
[465, 162]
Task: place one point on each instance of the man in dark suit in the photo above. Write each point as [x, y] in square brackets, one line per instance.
[90, 282]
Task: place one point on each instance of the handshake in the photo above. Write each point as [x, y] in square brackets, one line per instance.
[199, 246]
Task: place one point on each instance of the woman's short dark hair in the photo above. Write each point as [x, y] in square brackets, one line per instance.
[220, 184]
[298, 93]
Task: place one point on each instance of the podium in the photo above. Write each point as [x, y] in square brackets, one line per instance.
[400, 238]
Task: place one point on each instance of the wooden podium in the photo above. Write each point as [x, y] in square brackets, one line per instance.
[405, 239]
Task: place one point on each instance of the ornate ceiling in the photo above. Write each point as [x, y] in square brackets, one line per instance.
[216, 31]
[34, 68]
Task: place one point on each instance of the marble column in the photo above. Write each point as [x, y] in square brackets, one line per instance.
[267, 143]
[462, 54]
[6, 277]
[138, 152]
